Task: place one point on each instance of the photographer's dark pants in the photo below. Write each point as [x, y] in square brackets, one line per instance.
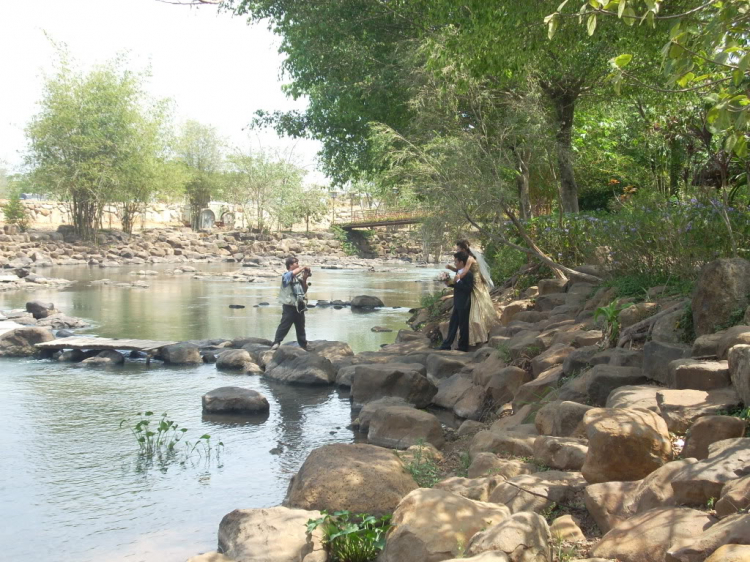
[289, 316]
[459, 323]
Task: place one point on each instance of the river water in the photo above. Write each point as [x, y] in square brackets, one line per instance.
[71, 484]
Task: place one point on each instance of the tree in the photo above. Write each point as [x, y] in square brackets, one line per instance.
[263, 180]
[311, 204]
[344, 57]
[200, 150]
[86, 144]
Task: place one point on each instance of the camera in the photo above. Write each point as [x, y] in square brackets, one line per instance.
[308, 271]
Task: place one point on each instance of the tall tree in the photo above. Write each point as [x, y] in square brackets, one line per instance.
[200, 150]
[85, 144]
[344, 57]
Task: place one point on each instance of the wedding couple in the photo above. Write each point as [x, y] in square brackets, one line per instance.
[473, 312]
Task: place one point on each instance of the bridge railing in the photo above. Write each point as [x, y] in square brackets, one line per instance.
[384, 216]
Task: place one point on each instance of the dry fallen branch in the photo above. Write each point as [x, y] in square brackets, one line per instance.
[632, 333]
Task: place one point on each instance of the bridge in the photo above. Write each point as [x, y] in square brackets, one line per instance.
[370, 219]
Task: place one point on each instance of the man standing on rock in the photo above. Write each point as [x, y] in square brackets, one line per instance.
[293, 302]
[462, 289]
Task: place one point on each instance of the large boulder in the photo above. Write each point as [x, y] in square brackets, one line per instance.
[739, 371]
[478, 489]
[403, 380]
[335, 351]
[460, 394]
[555, 355]
[235, 360]
[735, 529]
[595, 385]
[723, 287]
[624, 444]
[561, 453]
[433, 525]
[657, 356]
[680, 408]
[366, 301]
[735, 496]
[400, 427]
[648, 536]
[730, 553]
[294, 365]
[183, 353]
[21, 341]
[536, 390]
[539, 491]
[727, 460]
[503, 385]
[516, 443]
[445, 364]
[524, 537]
[234, 400]
[736, 335]
[275, 534]
[708, 430]
[698, 375]
[642, 397]
[609, 503]
[365, 415]
[561, 419]
[354, 477]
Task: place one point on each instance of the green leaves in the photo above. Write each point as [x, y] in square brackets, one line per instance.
[591, 24]
[621, 61]
[351, 538]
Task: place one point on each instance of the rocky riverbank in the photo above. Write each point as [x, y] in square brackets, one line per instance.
[569, 449]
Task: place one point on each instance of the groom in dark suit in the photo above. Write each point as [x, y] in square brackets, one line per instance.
[461, 305]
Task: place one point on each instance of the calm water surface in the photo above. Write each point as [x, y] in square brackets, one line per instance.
[71, 487]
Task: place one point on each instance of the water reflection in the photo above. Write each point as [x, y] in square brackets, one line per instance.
[71, 487]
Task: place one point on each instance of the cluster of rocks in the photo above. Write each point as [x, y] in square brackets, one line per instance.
[594, 432]
[179, 245]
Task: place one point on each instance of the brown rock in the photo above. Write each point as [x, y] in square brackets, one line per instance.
[610, 503]
[736, 335]
[706, 345]
[21, 341]
[536, 390]
[252, 535]
[354, 477]
[722, 288]
[404, 380]
[647, 536]
[514, 443]
[739, 371]
[555, 355]
[400, 427]
[561, 453]
[624, 444]
[504, 384]
[524, 537]
[735, 496]
[731, 553]
[697, 483]
[565, 528]
[548, 487]
[735, 529]
[708, 430]
[680, 408]
[698, 375]
[561, 419]
[641, 397]
[477, 489]
[489, 464]
[432, 525]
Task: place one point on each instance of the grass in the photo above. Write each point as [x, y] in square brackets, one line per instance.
[465, 463]
[504, 352]
[422, 468]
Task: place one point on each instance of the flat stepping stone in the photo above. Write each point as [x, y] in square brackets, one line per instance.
[234, 400]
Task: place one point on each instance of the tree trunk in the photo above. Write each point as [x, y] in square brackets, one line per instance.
[564, 103]
[522, 183]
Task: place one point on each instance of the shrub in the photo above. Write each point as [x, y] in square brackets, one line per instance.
[350, 538]
[15, 213]
[422, 468]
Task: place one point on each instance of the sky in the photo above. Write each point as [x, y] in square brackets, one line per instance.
[216, 68]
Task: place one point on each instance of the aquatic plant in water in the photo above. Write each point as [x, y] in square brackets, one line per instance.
[162, 441]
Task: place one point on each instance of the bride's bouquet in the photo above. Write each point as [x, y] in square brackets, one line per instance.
[443, 277]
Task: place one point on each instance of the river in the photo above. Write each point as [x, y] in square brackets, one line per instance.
[71, 485]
